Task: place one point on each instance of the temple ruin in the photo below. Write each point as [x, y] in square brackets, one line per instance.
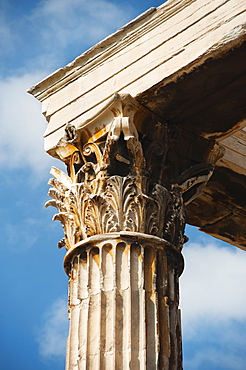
[151, 125]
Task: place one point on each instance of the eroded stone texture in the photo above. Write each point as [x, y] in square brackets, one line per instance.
[185, 61]
[122, 207]
[124, 303]
[134, 176]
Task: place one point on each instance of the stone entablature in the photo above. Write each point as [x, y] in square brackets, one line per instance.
[158, 47]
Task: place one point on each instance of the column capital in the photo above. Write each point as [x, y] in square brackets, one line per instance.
[124, 175]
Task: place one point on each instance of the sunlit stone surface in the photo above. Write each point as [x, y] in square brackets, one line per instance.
[151, 125]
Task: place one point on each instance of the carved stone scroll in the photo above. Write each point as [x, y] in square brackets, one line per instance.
[122, 207]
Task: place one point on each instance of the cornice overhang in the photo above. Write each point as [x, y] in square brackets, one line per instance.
[185, 63]
[161, 47]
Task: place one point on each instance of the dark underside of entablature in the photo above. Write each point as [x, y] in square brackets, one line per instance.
[209, 102]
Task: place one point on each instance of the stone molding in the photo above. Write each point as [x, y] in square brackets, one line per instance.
[129, 237]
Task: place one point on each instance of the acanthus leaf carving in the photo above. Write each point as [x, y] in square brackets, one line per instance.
[120, 206]
[124, 180]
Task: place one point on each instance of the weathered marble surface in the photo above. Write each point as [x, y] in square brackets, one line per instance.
[161, 45]
[124, 304]
[185, 61]
[139, 167]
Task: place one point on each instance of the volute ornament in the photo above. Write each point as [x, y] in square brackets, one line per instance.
[125, 177]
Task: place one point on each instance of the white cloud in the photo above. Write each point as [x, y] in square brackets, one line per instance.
[52, 336]
[211, 285]
[213, 301]
[55, 25]
[21, 125]
[69, 21]
[53, 32]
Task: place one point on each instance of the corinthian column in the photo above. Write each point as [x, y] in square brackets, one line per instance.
[122, 209]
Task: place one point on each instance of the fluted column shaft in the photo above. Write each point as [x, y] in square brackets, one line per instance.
[123, 302]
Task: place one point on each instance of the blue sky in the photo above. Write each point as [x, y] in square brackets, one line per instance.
[36, 38]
